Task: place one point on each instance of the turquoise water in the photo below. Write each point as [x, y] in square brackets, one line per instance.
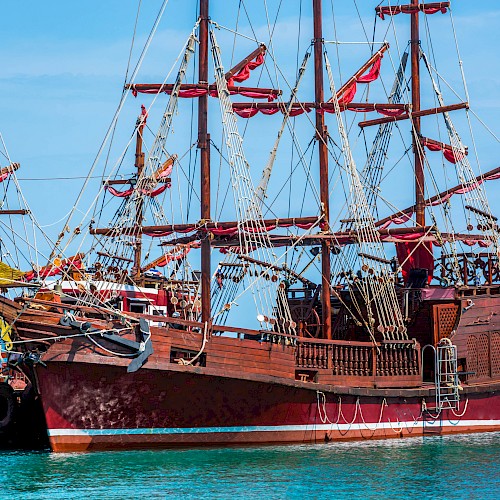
[433, 467]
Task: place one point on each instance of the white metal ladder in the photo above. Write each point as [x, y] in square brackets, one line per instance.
[447, 383]
[445, 375]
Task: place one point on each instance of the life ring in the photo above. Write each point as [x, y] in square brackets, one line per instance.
[7, 406]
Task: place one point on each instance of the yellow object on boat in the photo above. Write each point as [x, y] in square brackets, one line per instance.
[5, 330]
[9, 274]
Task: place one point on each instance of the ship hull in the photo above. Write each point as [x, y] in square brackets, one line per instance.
[100, 406]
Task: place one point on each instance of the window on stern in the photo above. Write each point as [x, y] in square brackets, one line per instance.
[138, 307]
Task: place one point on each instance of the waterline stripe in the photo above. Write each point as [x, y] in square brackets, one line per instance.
[269, 428]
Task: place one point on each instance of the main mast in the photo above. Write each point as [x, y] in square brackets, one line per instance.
[204, 146]
[322, 136]
[415, 98]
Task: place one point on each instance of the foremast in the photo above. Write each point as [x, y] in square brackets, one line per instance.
[139, 206]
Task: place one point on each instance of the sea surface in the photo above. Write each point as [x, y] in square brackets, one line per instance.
[454, 467]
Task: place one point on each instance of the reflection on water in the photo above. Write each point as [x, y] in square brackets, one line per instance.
[466, 466]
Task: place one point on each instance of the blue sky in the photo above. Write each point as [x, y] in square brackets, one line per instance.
[63, 66]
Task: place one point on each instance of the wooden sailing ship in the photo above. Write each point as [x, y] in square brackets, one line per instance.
[125, 356]
[21, 417]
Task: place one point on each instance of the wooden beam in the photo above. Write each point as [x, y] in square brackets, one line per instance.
[338, 238]
[117, 257]
[260, 50]
[441, 145]
[113, 182]
[284, 268]
[430, 201]
[13, 212]
[418, 114]
[10, 168]
[201, 226]
[481, 212]
[157, 88]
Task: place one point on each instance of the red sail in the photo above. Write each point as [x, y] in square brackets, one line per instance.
[415, 255]
[244, 73]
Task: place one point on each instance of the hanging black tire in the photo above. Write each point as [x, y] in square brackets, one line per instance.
[7, 407]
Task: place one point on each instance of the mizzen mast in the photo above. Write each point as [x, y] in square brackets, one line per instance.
[322, 136]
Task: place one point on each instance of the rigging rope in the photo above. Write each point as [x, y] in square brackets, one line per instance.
[378, 283]
[268, 294]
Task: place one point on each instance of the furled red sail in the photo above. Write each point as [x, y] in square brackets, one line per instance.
[155, 192]
[349, 93]
[119, 194]
[393, 10]
[177, 253]
[251, 109]
[244, 73]
[448, 152]
[147, 192]
[231, 230]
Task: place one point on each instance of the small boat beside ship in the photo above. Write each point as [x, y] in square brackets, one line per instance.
[298, 327]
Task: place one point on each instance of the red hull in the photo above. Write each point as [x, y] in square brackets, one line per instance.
[99, 406]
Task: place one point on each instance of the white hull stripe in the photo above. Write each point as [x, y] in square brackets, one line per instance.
[395, 426]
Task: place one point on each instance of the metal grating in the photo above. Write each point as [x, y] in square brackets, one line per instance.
[472, 355]
[447, 318]
[495, 354]
[483, 356]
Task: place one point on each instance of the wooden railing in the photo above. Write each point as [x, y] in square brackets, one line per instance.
[401, 360]
[313, 354]
[359, 359]
[353, 360]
